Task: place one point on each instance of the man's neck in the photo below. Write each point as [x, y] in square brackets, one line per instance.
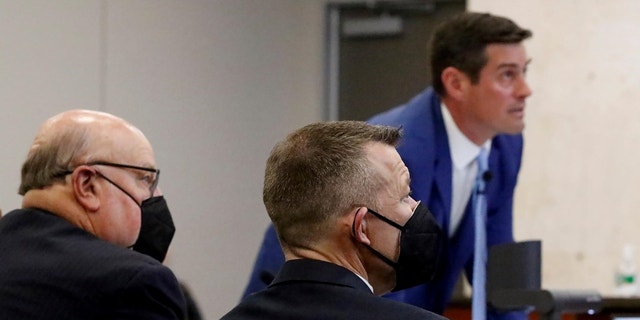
[465, 124]
[55, 199]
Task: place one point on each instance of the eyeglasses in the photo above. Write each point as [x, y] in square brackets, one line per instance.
[152, 180]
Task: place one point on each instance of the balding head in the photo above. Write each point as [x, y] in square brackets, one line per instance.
[67, 173]
[71, 138]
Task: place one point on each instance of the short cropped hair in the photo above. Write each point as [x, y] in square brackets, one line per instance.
[319, 173]
[461, 41]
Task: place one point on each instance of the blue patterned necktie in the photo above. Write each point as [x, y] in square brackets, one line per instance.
[478, 298]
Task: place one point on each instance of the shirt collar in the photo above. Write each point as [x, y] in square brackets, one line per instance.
[463, 151]
[365, 281]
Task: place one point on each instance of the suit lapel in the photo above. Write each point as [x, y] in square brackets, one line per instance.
[426, 153]
[442, 167]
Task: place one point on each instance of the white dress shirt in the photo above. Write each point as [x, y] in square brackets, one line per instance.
[463, 168]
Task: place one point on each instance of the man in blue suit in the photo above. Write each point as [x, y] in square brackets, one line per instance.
[477, 101]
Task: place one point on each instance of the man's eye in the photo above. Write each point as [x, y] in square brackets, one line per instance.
[509, 75]
[147, 179]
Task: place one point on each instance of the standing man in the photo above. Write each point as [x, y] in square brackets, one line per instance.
[478, 65]
[90, 194]
[338, 196]
[477, 101]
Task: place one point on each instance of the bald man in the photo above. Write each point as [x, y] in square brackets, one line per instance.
[90, 201]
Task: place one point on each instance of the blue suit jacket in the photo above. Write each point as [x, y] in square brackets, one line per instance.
[425, 151]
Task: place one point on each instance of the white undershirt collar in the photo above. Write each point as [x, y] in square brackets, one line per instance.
[462, 150]
[365, 282]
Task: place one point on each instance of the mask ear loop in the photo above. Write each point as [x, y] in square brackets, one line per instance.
[387, 220]
[353, 224]
[386, 260]
[119, 187]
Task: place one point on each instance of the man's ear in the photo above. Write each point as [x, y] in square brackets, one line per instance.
[85, 187]
[455, 82]
[359, 228]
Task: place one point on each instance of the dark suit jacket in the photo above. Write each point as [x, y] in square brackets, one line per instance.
[50, 269]
[312, 289]
[425, 150]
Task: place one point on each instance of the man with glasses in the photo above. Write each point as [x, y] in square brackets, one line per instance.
[90, 202]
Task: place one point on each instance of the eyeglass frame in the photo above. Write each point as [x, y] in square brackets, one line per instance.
[153, 186]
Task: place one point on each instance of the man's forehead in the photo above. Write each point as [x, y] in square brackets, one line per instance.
[125, 145]
[501, 53]
[387, 157]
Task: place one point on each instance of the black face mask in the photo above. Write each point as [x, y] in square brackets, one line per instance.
[420, 246]
[156, 226]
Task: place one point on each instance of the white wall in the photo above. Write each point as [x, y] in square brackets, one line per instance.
[578, 189]
[49, 61]
[213, 84]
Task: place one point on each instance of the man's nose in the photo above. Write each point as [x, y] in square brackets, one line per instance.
[523, 91]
